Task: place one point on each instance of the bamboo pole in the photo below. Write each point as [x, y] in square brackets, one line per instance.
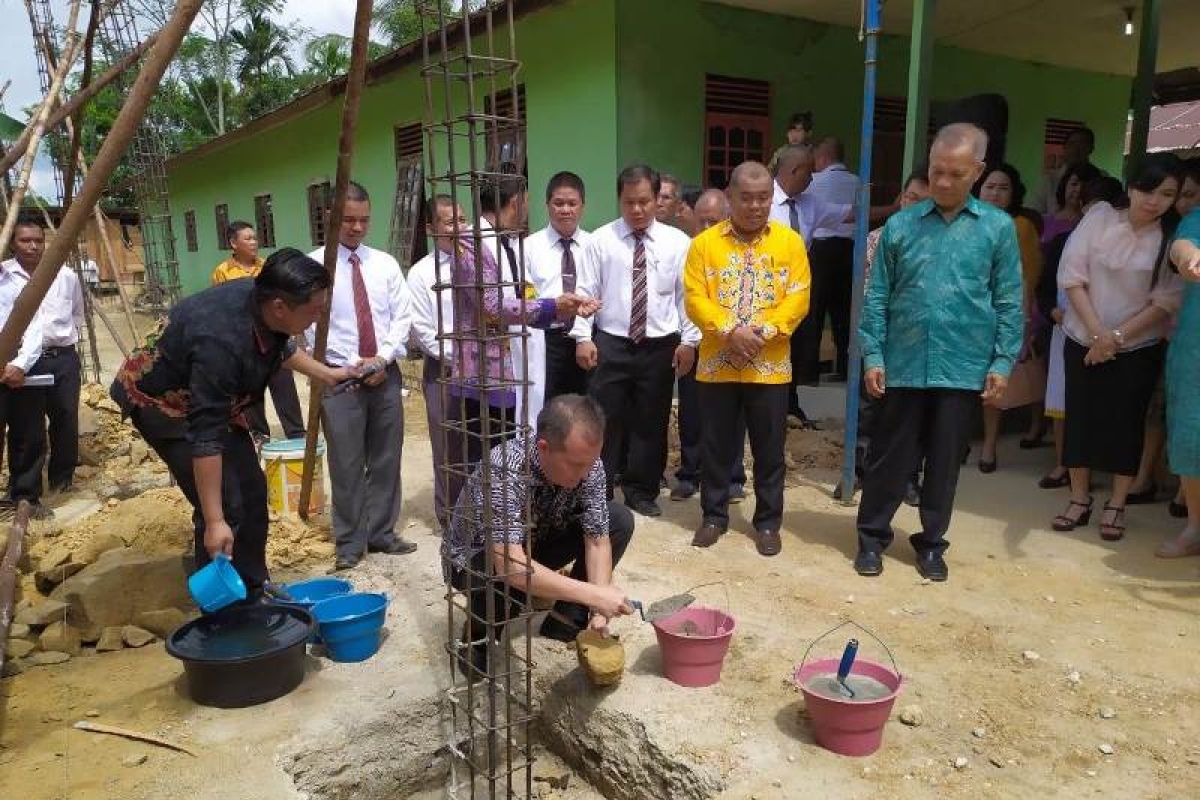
[345, 159]
[106, 161]
[79, 100]
[14, 547]
[39, 125]
[76, 130]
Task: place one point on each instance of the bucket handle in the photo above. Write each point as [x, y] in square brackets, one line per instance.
[723, 585]
[834, 629]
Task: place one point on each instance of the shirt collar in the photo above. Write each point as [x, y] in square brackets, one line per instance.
[626, 232]
[262, 334]
[974, 207]
[836, 166]
[13, 268]
[728, 231]
[781, 196]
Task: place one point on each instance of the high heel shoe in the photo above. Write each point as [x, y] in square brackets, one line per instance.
[1143, 497]
[987, 467]
[1051, 482]
[1064, 522]
[1113, 531]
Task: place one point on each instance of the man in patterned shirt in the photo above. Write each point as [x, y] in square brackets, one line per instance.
[558, 474]
[746, 284]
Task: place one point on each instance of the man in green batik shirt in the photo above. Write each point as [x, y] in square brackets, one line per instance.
[942, 322]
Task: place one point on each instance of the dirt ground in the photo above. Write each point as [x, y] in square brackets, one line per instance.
[1050, 665]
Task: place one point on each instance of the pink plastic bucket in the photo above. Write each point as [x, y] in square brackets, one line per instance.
[694, 659]
[842, 725]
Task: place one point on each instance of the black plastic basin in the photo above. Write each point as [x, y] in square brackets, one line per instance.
[243, 655]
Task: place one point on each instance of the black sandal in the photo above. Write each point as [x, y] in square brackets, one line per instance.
[1065, 523]
[1113, 531]
[1048, 481]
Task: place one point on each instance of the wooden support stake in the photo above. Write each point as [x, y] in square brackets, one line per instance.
[13, 549]
[345, 159]
[79, 100]
[106, 161]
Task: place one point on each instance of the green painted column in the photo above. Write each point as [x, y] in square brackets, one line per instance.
[920, 62]
[1143, 82]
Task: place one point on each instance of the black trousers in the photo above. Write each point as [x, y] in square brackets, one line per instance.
[22, 414]
[62, 411]
[287, 405]
[633, 384]
[553, 549]
[243, 489]
[563, 373]
[1106, 407]
[832, 262]
[465, 445]
[764, 409]
[691, 426]
[932, 425]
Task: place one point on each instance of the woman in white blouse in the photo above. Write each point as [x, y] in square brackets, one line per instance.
[1120, 299]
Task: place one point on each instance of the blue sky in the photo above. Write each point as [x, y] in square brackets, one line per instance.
[17, 60]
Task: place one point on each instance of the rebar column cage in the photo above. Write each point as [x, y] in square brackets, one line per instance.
[147, 161]
[41, 20]
[469, 58]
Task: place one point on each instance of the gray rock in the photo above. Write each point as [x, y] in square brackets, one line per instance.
[19, 648]
[134, 761]
[1108, 712]
[912, 716]
[979, 733]
[43, 613]
[1106, 749]
[134, 636]
[12, 667]
[121, 584]
[161, 622]
[111, 638]
[60, 637]
[18, 630]
[962, 762]
[44, 658]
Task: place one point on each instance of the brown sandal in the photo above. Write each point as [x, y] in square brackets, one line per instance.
[1065, 523]
[1113, 531]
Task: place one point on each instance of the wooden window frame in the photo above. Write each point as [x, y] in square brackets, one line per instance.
[320, 197]
[407, 239]
[189, 230]
[735, 106]
[264, 220]
[221, 216]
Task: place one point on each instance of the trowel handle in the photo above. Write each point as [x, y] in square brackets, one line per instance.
[848, 656]
[637, 606]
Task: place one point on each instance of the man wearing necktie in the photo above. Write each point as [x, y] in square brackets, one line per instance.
[640, 339]
[551, 263]
[802, 212]
[369, 322]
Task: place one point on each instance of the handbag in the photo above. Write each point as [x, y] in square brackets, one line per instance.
[1026, 384]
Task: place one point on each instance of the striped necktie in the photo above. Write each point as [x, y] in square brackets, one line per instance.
[638, 299]
[367, 347]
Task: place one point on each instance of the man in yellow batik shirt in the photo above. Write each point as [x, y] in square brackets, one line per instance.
[243, 262]
[746, 284]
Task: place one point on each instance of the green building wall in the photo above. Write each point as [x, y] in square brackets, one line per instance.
[612, 82]
[665, 48]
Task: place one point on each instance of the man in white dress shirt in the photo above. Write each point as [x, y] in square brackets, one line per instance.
[641, 339]
[551, 264]
[803, 212]
[445, 220]
[364, 429]
[23, 408]
[831, 255]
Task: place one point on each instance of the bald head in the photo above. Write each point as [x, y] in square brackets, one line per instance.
[750, 193]
[962, 135]
[712, 207]
[955, 163]
[793, 171]
[748, 171]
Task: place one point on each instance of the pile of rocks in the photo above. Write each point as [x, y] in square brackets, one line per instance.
[114, 460]
[120, 598]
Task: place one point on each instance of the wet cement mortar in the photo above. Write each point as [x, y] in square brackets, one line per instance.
[1014, 726]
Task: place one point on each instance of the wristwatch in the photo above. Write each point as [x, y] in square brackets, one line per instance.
[1119, 335]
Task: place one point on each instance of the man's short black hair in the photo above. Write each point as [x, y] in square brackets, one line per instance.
[564, 413]
[565, 180]
[689, 195]
[29, 221]
[234, 228]
[497, 191]
[637, 173]
[356, 192]
[291, 276]
[801, 119]
[1086, 133]
[434, 203]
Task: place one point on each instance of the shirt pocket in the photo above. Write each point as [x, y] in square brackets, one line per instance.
[662, 279]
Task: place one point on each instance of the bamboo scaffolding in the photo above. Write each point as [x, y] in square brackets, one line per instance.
[345, 159]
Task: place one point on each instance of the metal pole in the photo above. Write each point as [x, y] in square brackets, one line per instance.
[77, 101]
[345, 159]
[1143, 83]
[872, 28]
[106, 161]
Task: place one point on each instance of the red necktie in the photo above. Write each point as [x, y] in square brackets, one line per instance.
[637, 310]
[367, 347]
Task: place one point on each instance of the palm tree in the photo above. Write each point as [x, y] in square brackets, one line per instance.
[263, 45]
[327, 56]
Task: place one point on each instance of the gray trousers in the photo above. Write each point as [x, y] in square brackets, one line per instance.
[364, 433]
[435, 415]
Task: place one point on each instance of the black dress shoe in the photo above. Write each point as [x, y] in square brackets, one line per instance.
[931, 565]
[1177, 510]
[1051, 482]
[707, 535]
[399, 546]
[1142, 498]
[647, 508]
[987, 467]
[683, 490]
[868, 563]
[768, 543]
[343, 563]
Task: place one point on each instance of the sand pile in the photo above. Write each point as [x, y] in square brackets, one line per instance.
[158, 522]
[298, 546]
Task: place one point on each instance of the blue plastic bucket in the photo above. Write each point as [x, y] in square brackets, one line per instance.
[306, 594]
[351, 625]
[216, 585]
